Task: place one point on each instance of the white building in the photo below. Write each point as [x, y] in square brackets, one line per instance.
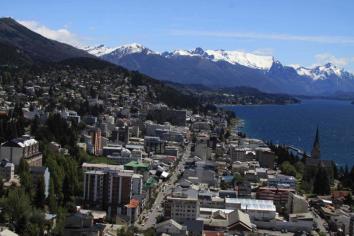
[183, 205]
[262, 210]
[25, 147]
[282, 181]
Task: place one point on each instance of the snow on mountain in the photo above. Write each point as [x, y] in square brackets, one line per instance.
[246, 59]
[133, 48]
[102, 50]
[233, 57]
[180, 53]
[99, 50]
[250, 60]
[320, 72]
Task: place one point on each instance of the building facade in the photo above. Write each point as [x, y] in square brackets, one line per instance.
[24, 147]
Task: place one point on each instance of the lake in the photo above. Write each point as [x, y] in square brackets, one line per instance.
[296, 124]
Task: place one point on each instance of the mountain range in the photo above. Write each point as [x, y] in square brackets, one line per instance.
[212, 68]
[17, 41]
[221, 68]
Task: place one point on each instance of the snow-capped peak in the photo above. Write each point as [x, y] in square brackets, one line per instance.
[99, 50]
[233, 57]
[180, 52]
[319, 72]
[131, 49]
[102, 50]
[246, 59]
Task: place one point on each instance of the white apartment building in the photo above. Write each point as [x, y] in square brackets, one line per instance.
[183, 206]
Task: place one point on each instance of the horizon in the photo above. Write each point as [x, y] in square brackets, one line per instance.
[309, 37]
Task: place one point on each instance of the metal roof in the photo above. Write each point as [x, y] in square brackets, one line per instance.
[252, 204]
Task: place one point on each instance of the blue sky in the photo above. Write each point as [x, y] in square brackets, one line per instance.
[303, 32]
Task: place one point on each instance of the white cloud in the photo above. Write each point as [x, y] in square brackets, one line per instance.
[62, 35]
[264, 51]
[267, 36]
[323, 58]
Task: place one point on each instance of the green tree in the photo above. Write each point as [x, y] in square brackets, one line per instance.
[40, 193]
[56, 174]
[36, 223]
[237, 178]
[52, 199]
[321, 184]
[34, 125]
[17, 207]
[25, 177]
[300, 167]
[23, 166]
[2, 190]
[288, 169]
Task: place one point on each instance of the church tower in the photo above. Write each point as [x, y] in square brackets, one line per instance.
[316, 153]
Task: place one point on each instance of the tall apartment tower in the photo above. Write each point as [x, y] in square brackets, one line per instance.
[96, 139]
[111, 190]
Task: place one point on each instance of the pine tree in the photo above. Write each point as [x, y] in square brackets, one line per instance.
[321, 185]
[25, 177]
[52, 199]
[40, 193]
[2, 190]
[18, 207]
[34, 125]
[23, 166]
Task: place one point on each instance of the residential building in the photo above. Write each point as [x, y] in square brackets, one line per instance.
[79, 224]
[56, 148]
[7, 170]
[120, 134]
[202, 150]
[239, 153]
[175, 117]
[171, 227]
[111, 190]
[297, 204]
[282, 181]
[194, 227]
[154, 144]
[263, 210]
[24, 147]
[225, 220]
[94, 188]
[132, 210]
[280, 196]
[182, 205]
[265, 157]
[96, 141]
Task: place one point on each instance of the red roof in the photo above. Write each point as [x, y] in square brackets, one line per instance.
[134, 203]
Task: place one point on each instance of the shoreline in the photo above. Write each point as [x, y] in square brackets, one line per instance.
[240, 124]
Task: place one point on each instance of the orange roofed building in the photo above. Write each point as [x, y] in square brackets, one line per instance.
[133, 210]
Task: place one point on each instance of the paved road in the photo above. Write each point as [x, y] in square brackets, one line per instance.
[319, 221]
[164, 189]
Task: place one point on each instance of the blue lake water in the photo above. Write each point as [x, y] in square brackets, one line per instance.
[296, 125]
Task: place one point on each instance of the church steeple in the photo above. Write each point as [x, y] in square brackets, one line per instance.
[316, 153]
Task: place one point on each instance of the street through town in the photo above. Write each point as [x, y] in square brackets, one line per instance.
[147, 218]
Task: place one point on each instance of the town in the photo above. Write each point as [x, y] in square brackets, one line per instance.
[96, 151]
